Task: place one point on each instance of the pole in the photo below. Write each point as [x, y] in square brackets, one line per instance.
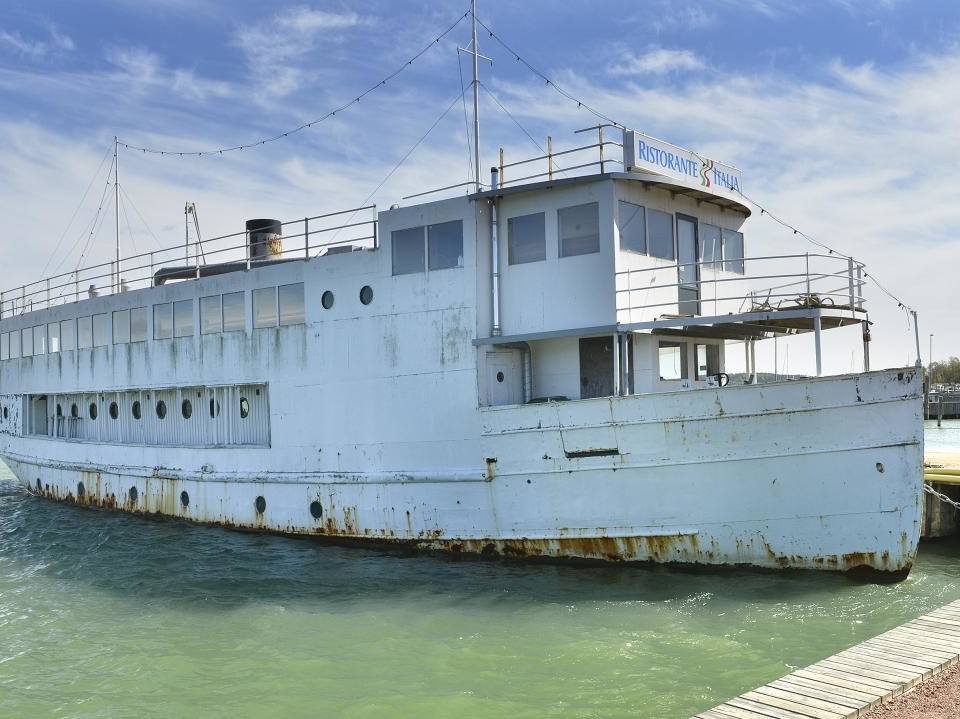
[476, 98]
[116, 203]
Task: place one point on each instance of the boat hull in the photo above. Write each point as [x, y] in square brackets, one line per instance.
[819, 474]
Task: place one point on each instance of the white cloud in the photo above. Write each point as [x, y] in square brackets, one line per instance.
[656, 61]
[36, 48]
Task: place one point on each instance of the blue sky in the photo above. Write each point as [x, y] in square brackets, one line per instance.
[841, 114]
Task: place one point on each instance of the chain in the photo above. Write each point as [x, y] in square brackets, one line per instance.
[942, 497]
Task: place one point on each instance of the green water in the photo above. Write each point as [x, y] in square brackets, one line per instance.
[105, 615]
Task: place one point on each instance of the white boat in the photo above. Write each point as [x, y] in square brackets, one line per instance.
[535, 369]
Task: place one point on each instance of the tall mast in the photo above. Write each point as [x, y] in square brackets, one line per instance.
[116, 205]
[476, 98]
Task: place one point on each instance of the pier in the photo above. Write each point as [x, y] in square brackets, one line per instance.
[857, 679]
[941, 472]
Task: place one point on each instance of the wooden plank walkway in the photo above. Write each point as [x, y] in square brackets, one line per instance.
[857, 679]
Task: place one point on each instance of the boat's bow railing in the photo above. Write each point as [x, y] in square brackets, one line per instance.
[770, 283]
[309, 237]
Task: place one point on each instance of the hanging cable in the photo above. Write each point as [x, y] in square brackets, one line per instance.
[466, 119]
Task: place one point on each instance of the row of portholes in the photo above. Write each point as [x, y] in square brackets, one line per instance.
[366, 297]
[136, 409]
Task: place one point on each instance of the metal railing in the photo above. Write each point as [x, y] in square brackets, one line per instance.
[582, 155]
[302, 239]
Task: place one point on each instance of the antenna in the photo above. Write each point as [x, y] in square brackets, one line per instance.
[475, 51]
[116, 205]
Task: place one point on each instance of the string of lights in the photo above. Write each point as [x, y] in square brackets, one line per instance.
[306, 125]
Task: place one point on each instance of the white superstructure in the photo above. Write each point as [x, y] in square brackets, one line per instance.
[535, 370]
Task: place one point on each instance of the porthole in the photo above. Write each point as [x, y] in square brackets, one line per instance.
[316, 509]
[81, 490]
[136, 410]
[93, 410]
[6, 414]
[326, 299]
[214, 408]
[366, 294]
[59, 410]
[260, 504]
[74, 411]
[184, 498]
[39, 486]
[244, 408]
[186, 409]
[133, 494]
[499, 376]
[114, 410]
[161, 409]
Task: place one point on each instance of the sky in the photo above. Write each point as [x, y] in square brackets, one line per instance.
[843, 115]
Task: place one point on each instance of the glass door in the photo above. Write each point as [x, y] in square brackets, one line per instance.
[688, 270]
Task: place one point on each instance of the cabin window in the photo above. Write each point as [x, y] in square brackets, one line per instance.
[708, 360]
[673, 360]
[633, 231]
[711, 248]
[526, 239]
[660, 234]
[68, 335]
[445, 245]
[408, 252]
[163, 321]
[40, 339]
[26, 342]
[183, 318]
[265, 307]
[101, 329]
[211, 316]
[53, 336]
[14, 344]
[290, 299]
[121, 327]
[233, 314]
[5, 346]
[138, 324]
[579, 228]
[733, 251]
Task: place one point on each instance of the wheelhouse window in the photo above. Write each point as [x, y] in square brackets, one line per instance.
[26, 342]
[68, 335]
[121, 327]
[138, 324]
[526, 239]
[5, 346]
[163, 321]
[733, 251]
[233, 314]
[211, 317]
[53, 336]
[711, 247]
[40, 339]
[265, 307]
[445, 245]
[290, 299]
[579, 229]
[673, 360]
[632, 222]
[14, 344]
[101, 329]
[183, 318]
[708, 361]
[660, 234]
[408, 251]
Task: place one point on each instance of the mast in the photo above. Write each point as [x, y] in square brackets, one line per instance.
[116, 205]
[476, 98]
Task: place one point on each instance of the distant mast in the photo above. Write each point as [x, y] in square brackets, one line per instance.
[476, 98]
[116, 206]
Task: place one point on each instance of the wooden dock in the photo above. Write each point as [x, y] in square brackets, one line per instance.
[857, 679]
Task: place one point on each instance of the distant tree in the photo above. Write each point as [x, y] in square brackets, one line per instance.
[945, 372]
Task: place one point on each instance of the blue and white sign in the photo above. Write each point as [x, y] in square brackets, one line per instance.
[647, 154]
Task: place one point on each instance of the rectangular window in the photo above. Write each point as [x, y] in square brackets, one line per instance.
[445, 245]
[660, 234]
[53, 336]
[633, 230]
[407, 247]
[121, 327]
[183, 318]
[68, 335]
[211, 317]
[526, 239]
[711, 249]
[733, 251]
[673, 360]
[579, 229]
[26, 342]
[138, 324]
[101, 329]
[291, 304]
[265, 307]
[234, 317]
[708, 360]
[40, 339]
[14, 344]
[163, 321]
[5, 346]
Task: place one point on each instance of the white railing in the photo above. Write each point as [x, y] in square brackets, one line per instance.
[301, 239]
[770, 283]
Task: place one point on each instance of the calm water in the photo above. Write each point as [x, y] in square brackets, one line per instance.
[945, 438]
[103, 615]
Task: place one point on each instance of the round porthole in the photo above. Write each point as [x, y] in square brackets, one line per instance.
[136, 410]
[260, 504]
[93, 410]
[214, 408]
[316, 509]
[114, 410]
[244, 408]
[326, 299]
[133, 494]
[184, 498]
[161, 409]
[499, 376]
[74, 411]
[59, 410]
[186, 409]
[366, 294]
